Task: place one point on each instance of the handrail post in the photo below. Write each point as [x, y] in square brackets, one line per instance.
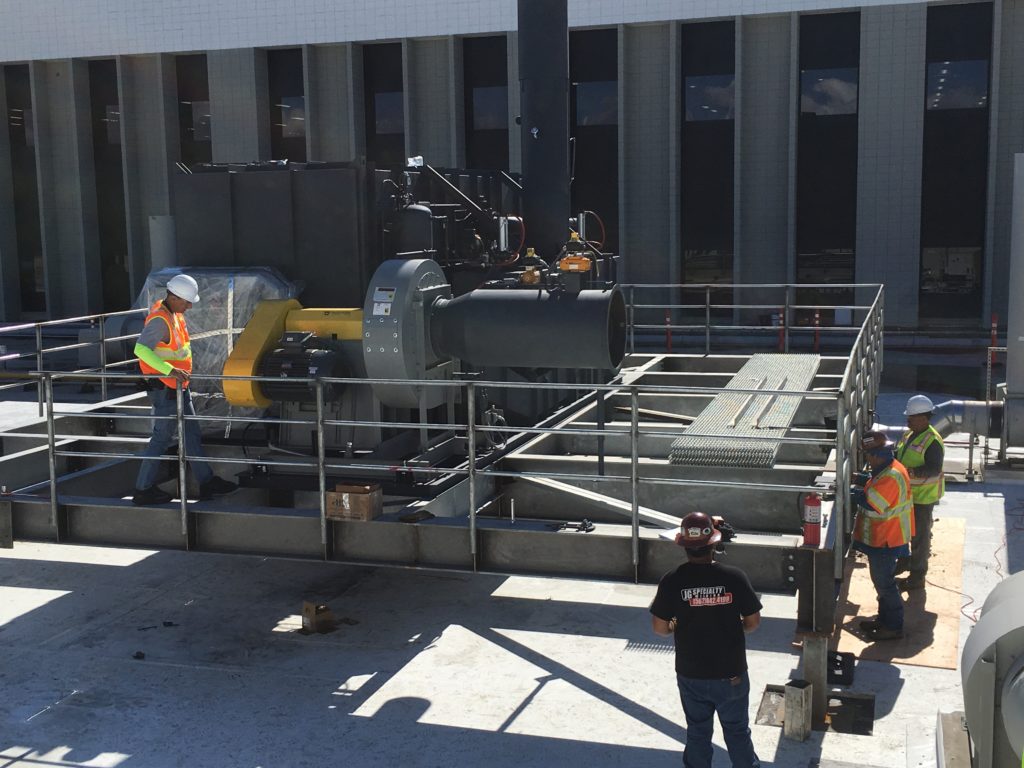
[785, 320]
[40, 368]
[103, 358]
[471, 450]
[634, 478]
[632, 320]
[840, 508]
[707, 320]
[326, 544]
[179, 404]
[46, 385]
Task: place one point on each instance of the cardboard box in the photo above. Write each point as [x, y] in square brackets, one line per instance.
[355, 502]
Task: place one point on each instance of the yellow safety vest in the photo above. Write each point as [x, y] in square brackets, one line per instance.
[910, 451]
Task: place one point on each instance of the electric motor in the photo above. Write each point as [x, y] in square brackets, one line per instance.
[302, 356]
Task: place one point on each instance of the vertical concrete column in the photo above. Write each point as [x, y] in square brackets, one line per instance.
[239, 105]
[357, 101]
[515, 149]
[763, 130]
[674, 159]
[457, 81]
[890, 125]
[737, 162]
[149, 130]
[644, 128]
[793, 149]
[329, 108]
[430, 99]
[995, 92]
[10, 295]
[1008, 116]
[67, 187]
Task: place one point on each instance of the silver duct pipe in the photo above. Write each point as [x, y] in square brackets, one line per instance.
[975, 417]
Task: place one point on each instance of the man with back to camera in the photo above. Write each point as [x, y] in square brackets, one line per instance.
[163, 348]
[708, 607]
[922, 452]
[882, 531]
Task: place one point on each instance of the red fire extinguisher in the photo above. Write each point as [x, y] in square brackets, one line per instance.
[812, 520]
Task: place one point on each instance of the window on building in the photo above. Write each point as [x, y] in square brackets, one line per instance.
[287, 104]
[384, 105]
[707, 154]
[594, 129]
[193, 109]
[826, 186]
[110, 204]
[485, 80]
[21, 133]
[955, 162]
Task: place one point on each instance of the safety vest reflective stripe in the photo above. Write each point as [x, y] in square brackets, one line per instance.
[888, 521]
[910, 452]
[177, 350]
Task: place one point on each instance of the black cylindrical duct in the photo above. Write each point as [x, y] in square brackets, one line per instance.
[544, 129]
[516, 328]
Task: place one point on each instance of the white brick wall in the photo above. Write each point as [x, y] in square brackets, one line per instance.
[49, 29]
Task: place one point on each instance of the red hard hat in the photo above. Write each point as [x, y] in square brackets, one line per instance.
[697, 530]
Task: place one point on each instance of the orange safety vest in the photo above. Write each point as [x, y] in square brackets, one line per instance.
[888, 520]
[177, 350]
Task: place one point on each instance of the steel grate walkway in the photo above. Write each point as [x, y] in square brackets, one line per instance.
[737, 416]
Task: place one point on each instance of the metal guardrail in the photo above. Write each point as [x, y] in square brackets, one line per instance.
[989, 396]
[855, 401]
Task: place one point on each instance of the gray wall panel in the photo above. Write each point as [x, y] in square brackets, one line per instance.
[240, 126]
[202, 218]
[890, 136]
[431, 101]
[645, 149]
[261, 204]
[764, 128]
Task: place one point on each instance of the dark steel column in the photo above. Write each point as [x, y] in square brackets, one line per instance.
[544, 94]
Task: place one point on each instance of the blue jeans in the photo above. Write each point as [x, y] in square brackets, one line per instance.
[165, 435]
[882, 567]
[701, 699]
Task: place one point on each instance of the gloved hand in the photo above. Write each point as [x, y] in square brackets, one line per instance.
[727, 531]
[860, 479]
[858, 497]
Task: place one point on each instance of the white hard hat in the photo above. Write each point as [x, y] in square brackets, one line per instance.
[918, 404]
[184, 287]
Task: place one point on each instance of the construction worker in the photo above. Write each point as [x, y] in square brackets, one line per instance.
[922, 452]
[164, 348]
[708, 607]
[882, 531]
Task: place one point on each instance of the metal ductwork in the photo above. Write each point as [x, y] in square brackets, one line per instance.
[516, 328]
[975, 417]
[412, 328]
[992, 671]
[544, 103]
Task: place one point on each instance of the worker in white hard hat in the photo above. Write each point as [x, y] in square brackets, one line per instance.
[922, 452]
[164, 349]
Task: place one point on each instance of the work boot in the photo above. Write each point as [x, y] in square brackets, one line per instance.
[152, 495]
[869, 624]
[911, 583]
[882, 632]
[216, 486]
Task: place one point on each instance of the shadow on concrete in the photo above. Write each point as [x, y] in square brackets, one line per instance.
[189, 659]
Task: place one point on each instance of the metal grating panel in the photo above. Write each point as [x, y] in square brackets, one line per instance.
[738, 416]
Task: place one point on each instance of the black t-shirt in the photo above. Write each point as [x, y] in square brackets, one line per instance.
[708, 601]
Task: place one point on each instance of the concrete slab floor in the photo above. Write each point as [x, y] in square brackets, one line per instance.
[426, 668]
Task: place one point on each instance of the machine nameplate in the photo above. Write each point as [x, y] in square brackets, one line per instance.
[383, 294]
[382, 309]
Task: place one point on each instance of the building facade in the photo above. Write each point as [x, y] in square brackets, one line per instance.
[768, 141]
